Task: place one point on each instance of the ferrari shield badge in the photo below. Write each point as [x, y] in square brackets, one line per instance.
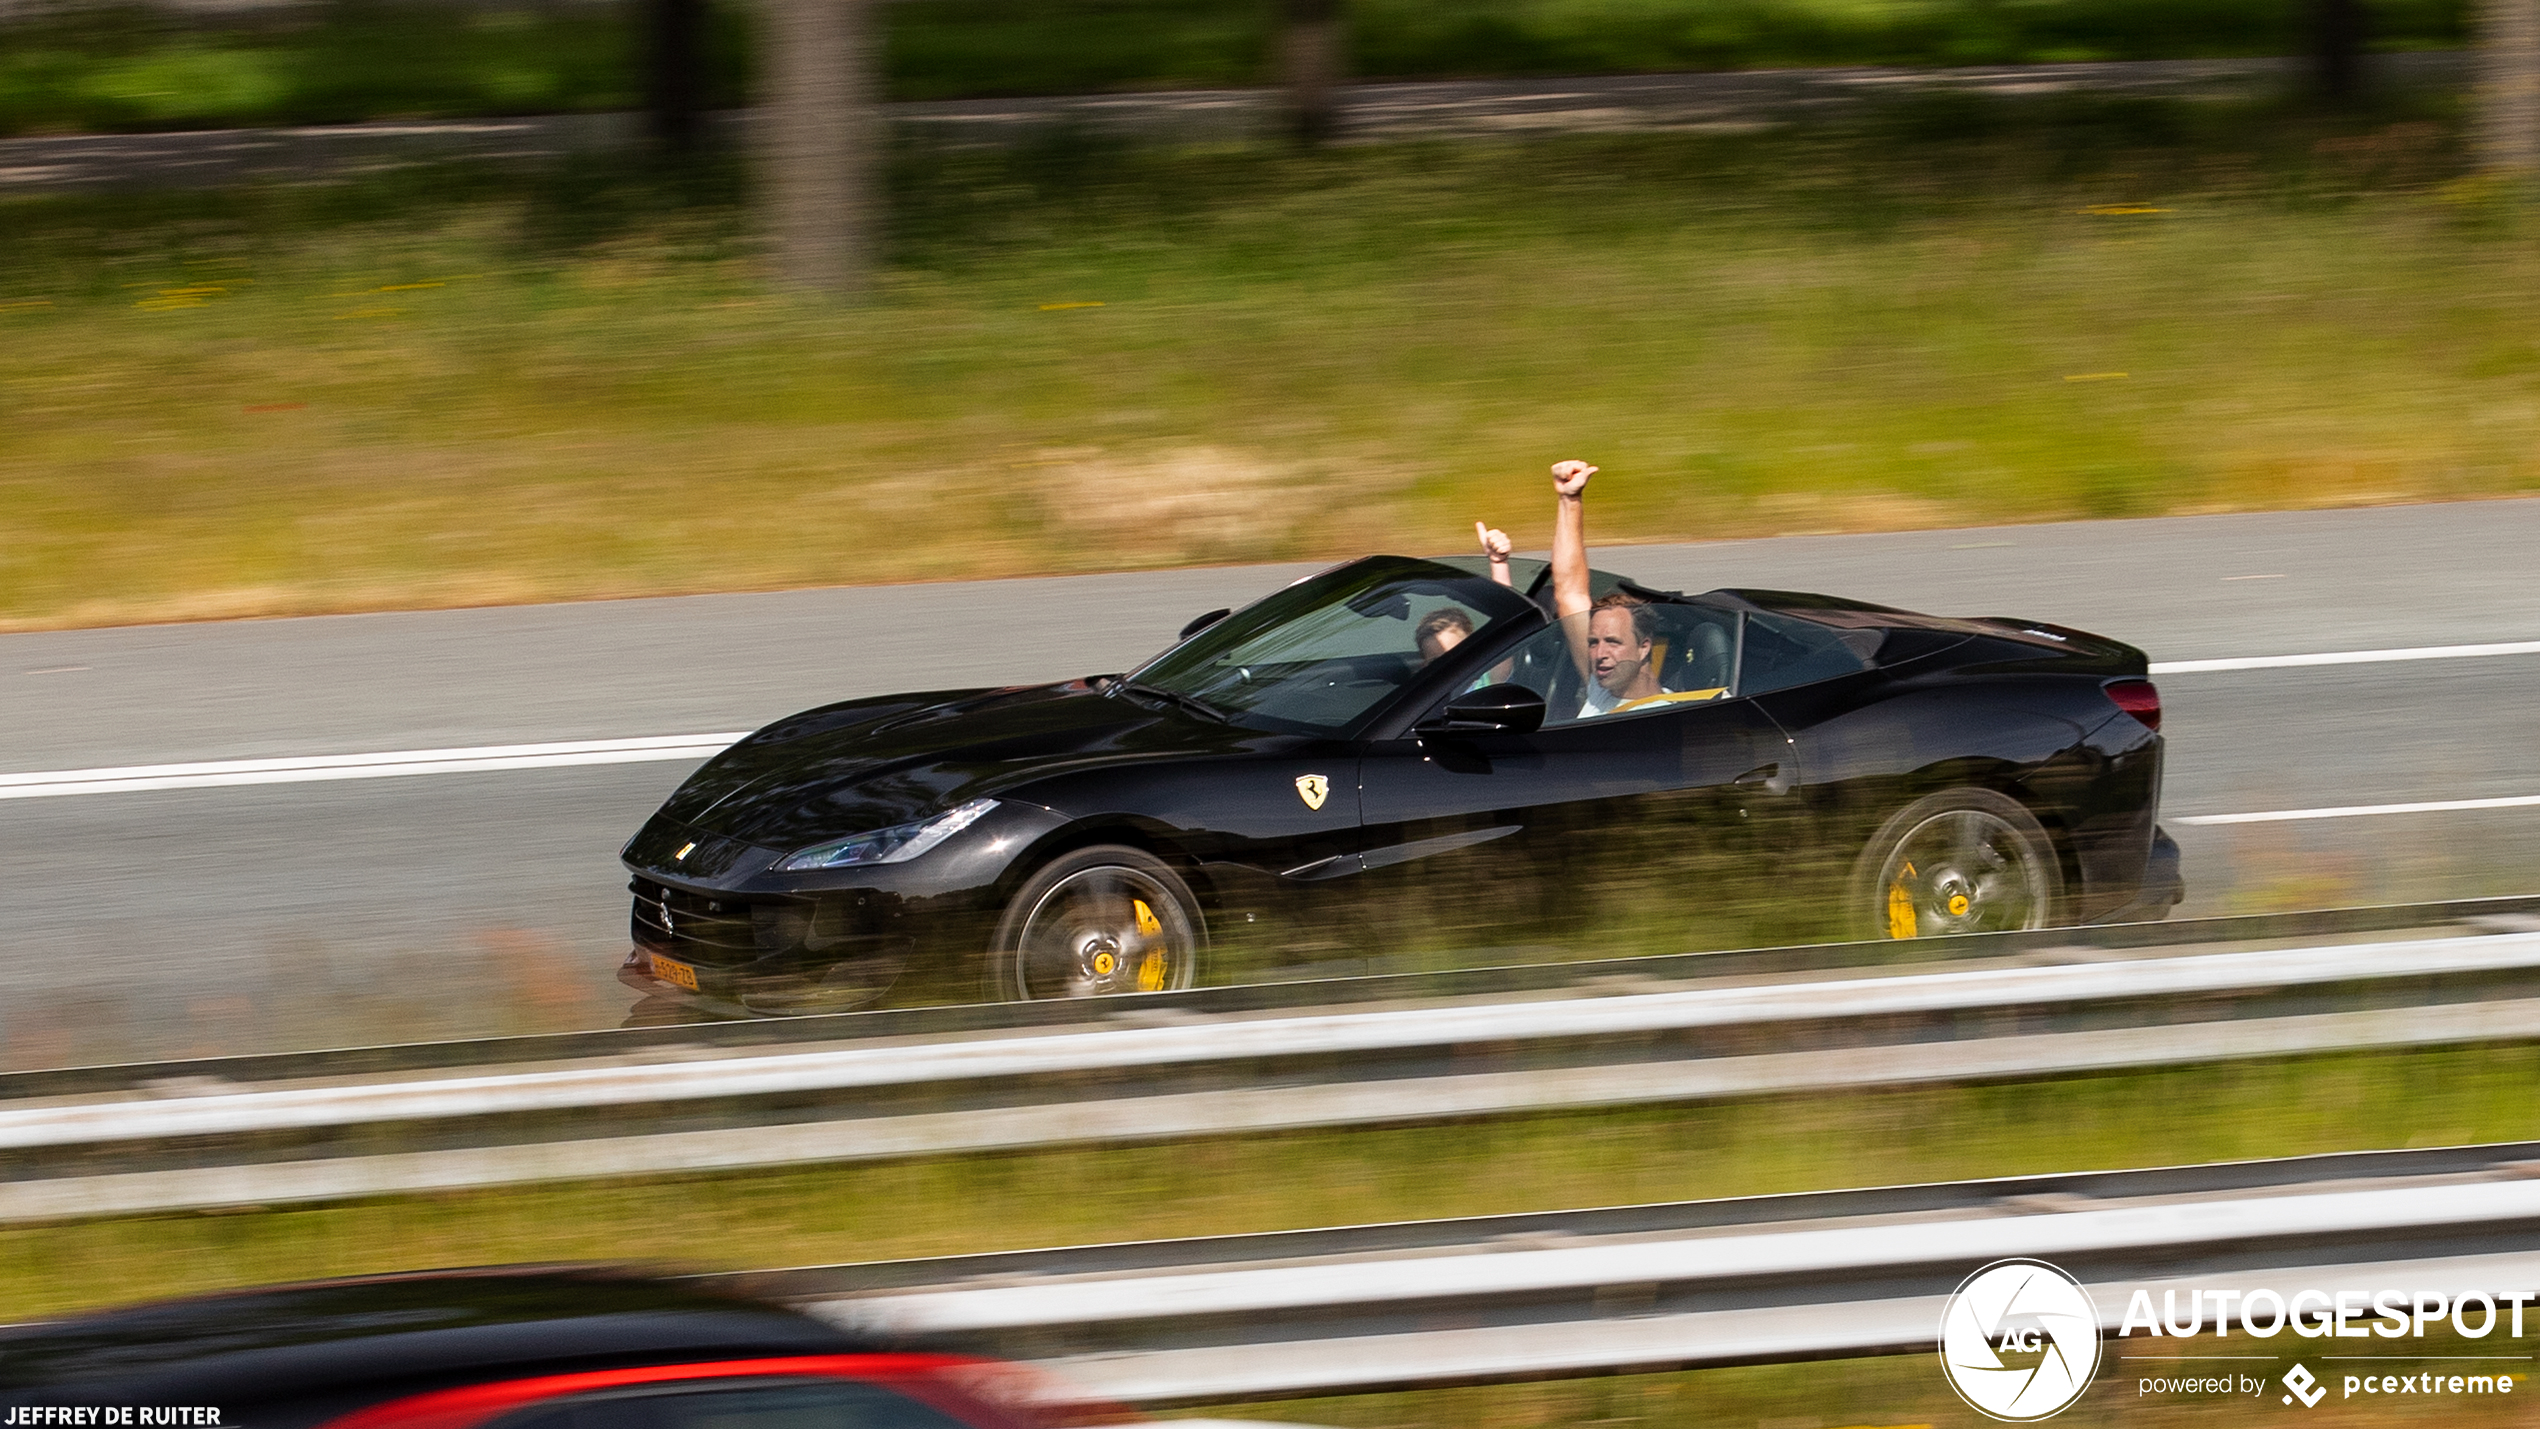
[1313, 789]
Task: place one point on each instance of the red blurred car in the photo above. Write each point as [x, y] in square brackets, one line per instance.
[499, 1349]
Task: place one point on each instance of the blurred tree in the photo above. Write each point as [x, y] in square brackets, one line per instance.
[1311, 40]
[820, 140]
[2337, 49]
[2509, 86]
[675, 43]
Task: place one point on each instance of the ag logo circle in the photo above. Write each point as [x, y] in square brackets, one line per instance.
[2019, 1340]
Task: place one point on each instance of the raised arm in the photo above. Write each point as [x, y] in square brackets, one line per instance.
[1570, 599]
[1496, 545]
[1569, 538]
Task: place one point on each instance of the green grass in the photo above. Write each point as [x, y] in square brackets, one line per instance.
[1408, 37]
[463, 387]
[116, 67]
[108, 69]
[1022, 1200]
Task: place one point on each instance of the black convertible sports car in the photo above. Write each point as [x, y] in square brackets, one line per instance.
[1399, 753]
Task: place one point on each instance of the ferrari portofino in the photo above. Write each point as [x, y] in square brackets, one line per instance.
[1399, 758]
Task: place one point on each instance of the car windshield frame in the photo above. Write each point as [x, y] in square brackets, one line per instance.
[1338, 648]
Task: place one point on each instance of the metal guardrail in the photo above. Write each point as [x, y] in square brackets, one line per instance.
[1500, 980]
[1692, 1284]
[1205, 1064]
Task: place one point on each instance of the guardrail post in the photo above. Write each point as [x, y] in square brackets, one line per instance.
[1311, 61]
[819, 149]
[2508, 111]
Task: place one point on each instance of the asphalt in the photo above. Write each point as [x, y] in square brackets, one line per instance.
[207, 919]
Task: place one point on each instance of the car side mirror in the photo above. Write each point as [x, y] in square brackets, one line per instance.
[1492, 709]
[1205, 621]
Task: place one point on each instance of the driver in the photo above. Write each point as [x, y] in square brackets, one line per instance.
[1621, 632]
[1612, 645]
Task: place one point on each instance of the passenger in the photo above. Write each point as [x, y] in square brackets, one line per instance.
[1440, 631]
[1446, 627]
[1611, 639]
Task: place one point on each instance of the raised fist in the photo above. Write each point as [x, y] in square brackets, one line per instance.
[1571, 477]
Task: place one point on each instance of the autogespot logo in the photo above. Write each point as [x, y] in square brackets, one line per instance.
[2019, 1340]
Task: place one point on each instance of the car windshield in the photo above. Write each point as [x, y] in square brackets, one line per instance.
[1317, 657]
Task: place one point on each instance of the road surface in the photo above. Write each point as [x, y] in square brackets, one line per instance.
[258, 914]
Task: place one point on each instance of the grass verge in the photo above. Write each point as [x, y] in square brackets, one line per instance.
[759, 1220]
[464, 387]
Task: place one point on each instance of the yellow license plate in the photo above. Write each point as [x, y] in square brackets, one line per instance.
[679, 974]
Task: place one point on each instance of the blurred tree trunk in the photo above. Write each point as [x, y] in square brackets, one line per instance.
[675, 40]
[2337, 49]
[821, 136]
[1311, 61]
[2508, 116]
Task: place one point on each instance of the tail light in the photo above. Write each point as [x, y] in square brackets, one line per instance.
[2138, 698]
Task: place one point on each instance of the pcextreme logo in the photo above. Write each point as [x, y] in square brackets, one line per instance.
[2304, 1386]
[2019, 1341]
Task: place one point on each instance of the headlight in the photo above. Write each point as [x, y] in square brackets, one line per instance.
[894, 845]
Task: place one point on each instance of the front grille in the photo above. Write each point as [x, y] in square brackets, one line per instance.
[673, 847]
[711, 932]
[722, 931]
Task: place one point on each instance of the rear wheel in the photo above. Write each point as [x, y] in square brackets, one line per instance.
[1098, 921]
[1959, 861]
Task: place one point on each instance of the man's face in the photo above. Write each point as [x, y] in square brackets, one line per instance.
[1615, 651]
[1434, 643]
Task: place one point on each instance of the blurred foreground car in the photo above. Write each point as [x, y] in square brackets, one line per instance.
[500, 1349]
[1321, 752]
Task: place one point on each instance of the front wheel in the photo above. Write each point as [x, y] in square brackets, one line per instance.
[1098, 921]
[1959, 861]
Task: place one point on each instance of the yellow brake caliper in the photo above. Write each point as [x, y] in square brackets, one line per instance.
[1901, 922]
[1151, 967]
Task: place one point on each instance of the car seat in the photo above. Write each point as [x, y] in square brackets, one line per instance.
[1701, 659]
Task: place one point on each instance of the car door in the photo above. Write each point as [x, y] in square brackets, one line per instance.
[1873, 733]
[1594, 835]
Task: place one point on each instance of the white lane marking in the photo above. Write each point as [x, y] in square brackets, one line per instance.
[2346, 657]
[2358, 811]
[224, 773]
[142, 778]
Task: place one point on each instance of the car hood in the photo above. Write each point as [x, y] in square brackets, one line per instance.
[871, 764]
